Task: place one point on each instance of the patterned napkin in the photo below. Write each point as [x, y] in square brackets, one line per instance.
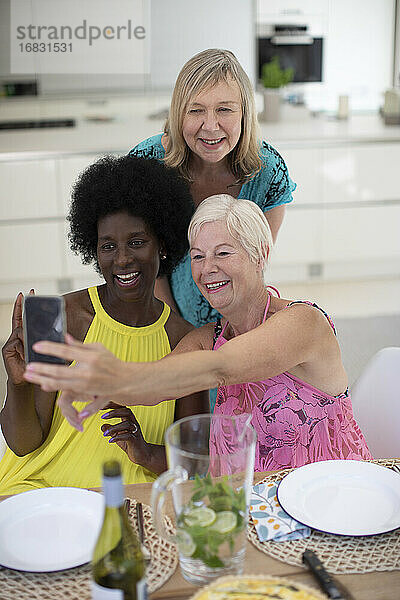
[270, 520]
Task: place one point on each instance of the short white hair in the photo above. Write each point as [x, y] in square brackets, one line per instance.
[244, 220]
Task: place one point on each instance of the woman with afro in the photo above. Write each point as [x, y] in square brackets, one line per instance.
[129, 217]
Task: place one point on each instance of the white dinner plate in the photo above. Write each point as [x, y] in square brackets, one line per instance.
[344, 497]
[49, 529]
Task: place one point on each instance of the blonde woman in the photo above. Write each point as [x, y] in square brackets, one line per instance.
[277, 360]
[211, 137]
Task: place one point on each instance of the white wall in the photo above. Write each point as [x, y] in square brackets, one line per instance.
[179, 29]
[359, 52]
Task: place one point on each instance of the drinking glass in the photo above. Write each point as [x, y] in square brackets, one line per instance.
[210, 474]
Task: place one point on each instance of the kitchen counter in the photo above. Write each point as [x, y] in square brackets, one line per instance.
[345, 173]
[117, 124]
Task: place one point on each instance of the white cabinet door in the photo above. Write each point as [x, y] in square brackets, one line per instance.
[68, 170]
[73, 264]
[364, 233]
[368, 172]
[305, 167]
[361, 221]
[299, 240]
[31, 252]
[28, 189]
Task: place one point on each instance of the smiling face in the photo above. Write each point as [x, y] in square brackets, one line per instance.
[213, 122]
[128, 254]
[222, 269]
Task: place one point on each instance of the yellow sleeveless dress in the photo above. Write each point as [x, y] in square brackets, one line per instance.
[71, 458]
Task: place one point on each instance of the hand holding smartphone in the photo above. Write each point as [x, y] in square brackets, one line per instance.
[44, 319]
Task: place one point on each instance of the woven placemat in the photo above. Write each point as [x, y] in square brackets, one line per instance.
[340, 554]
[75, 583]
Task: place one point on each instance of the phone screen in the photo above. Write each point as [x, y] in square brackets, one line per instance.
[44, 319]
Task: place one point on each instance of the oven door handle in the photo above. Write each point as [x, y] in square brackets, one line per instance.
[297, 40]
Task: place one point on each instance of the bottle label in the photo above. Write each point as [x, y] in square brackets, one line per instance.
[113, 491]
[102, 593]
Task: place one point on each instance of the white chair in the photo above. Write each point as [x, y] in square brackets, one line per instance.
[376, 403]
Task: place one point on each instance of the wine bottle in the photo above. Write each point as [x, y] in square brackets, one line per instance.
[117, 565]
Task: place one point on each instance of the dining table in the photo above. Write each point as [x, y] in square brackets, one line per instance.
[376, 585]
[367, 586]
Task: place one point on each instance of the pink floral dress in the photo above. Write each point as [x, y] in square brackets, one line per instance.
[295, 422]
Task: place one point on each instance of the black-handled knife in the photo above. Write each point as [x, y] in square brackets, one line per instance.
[328, 584]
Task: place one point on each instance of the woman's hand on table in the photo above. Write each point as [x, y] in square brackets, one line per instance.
[127, 434]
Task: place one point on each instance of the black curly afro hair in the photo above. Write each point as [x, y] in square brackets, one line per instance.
[143, 187]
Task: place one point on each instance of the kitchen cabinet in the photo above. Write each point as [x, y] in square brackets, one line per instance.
[361, 172]
[28, 190]
[297, 252]
[68, 169]
[299, 242]
[305, 168]
[74, 272]
[361, 219]
[362, 234]
[343, 223]
[31, 252]
[33, 229]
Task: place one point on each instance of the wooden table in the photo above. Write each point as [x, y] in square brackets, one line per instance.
[369, 586]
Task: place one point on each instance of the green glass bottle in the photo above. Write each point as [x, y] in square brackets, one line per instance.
[117, 565]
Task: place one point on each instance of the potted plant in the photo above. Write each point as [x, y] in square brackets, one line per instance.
[273, 79]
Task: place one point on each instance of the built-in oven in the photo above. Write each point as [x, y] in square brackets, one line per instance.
[295, 45]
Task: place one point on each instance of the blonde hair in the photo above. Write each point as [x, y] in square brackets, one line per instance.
[201, 72]
[244, 220]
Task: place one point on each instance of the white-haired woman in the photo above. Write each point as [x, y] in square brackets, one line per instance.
[211, 136]
[277, 360]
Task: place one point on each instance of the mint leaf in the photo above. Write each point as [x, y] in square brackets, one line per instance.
[221, 495]
[213, 561]
[221, 503]
[215, 539]
[197, 496]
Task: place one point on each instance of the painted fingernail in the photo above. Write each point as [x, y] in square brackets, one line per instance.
[84, 414]
[75, 424]
[106, 432]
[111, 440]
[105, 416]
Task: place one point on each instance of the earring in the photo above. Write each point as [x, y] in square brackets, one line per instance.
[163, 256]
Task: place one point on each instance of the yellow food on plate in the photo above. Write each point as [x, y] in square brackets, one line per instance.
[256, 587]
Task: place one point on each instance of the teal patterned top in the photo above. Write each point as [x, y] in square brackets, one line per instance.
[269, 188]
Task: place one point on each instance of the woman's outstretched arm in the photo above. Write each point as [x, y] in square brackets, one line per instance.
[299, 335]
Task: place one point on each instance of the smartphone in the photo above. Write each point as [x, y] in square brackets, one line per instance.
[44, 319]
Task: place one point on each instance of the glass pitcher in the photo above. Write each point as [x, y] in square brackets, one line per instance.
[210, 474]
